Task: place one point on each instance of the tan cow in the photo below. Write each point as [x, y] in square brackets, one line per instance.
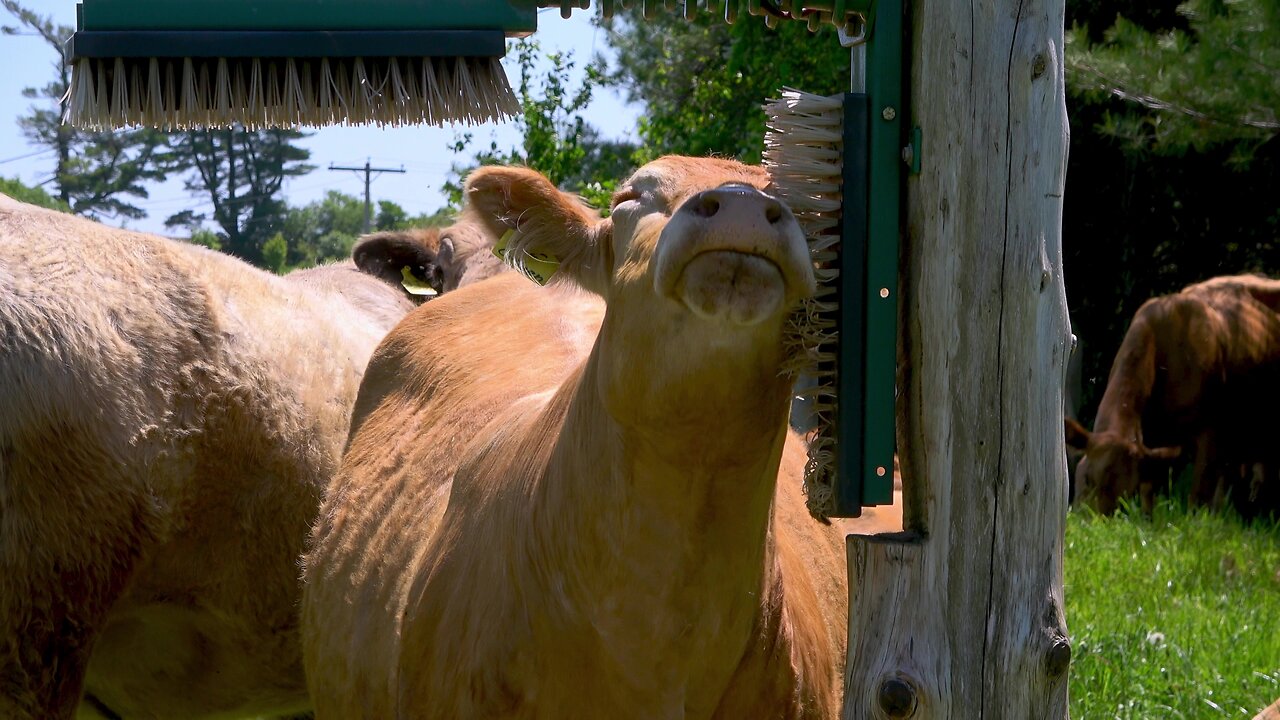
[1189, 375]
[583, 500]
[464, 254]
[169, 417]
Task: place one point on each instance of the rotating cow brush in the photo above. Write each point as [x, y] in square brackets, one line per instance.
[178, 64]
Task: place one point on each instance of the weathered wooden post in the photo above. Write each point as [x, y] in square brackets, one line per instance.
[967, 620]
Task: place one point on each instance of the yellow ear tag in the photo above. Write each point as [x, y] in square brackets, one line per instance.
[413, 285]
[537, 266]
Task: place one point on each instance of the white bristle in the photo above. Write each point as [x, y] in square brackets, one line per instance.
[219, 92]
[805, 161]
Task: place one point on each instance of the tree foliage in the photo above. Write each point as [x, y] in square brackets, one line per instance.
[556, 140]
[32, 195]
[241, 172]
[95, 174]
[1212, 79]
[704, 83]
[325, 230]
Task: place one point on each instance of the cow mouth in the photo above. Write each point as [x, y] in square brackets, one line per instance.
[740, 288]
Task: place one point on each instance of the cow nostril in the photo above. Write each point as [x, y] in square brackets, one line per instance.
[773, 212]
[706, 206]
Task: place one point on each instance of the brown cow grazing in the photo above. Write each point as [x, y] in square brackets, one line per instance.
[1190, 368]
[169, 417]
[583, 500]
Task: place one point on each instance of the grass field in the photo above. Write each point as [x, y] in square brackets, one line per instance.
[1173, 617]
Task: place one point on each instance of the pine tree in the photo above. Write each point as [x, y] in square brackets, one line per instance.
[1215, 80]
[95, 174]
[241, 172]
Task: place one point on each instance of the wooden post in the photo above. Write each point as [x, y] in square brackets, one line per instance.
[966, 620]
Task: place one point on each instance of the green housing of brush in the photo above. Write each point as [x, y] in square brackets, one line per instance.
[178, 64]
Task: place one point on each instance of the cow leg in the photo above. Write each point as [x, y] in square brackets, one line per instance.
[70, 534]
[1208, 474]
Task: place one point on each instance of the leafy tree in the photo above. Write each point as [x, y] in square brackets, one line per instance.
[704, 83]
[274, 253]
[206, 238]
[390, 216]
[95, 174]
[33, 195]
[1212, 79]
[555, 137]
[324, 230]
[241, 172]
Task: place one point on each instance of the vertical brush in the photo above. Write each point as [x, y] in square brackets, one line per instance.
[804, 155]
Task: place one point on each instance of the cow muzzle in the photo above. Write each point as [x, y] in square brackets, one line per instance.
[734, 254]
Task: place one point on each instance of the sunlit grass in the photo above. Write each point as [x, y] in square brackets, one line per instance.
[1173, 617]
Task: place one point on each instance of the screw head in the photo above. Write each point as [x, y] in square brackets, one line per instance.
[889, 113]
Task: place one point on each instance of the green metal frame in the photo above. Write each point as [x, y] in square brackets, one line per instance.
[871, 218]
[516, 17]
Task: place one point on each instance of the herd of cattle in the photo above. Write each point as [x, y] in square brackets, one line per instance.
[507, 501]
[225, 493]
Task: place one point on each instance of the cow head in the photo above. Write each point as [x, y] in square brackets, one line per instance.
[389, 255]
[1115, 467]
[466, 254]
[696, 254]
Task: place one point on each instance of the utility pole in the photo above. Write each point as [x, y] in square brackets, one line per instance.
[368, 171]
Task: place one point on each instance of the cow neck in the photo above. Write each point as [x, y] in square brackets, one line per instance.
[1129, 386]
[660, 489]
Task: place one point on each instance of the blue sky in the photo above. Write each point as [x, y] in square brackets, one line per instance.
[27, 62]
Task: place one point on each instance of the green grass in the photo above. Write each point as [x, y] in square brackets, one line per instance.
[1173, 617]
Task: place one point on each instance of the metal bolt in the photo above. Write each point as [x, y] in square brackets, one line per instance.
[880, 471]
[884, 292]
[897, 698]
[1058, 658]
[888, 113]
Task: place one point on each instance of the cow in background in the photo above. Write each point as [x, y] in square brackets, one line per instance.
[463, 253]
[1189, 374]
[169, 417]
[584, 500]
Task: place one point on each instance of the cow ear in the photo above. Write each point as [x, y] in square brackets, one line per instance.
[1077, 436]
[1163, 453]
[412, 259]
[541, 230]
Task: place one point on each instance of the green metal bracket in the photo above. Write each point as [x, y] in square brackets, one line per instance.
[873, 171]
[912, 152]
[518, 18]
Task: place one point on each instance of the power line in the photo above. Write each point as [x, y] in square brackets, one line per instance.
[368, 215]
[28, 155]
[201, 199]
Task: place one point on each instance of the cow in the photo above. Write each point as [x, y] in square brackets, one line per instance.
[583, 500]
[1190, 368]
[169, 417]
[463, 255]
